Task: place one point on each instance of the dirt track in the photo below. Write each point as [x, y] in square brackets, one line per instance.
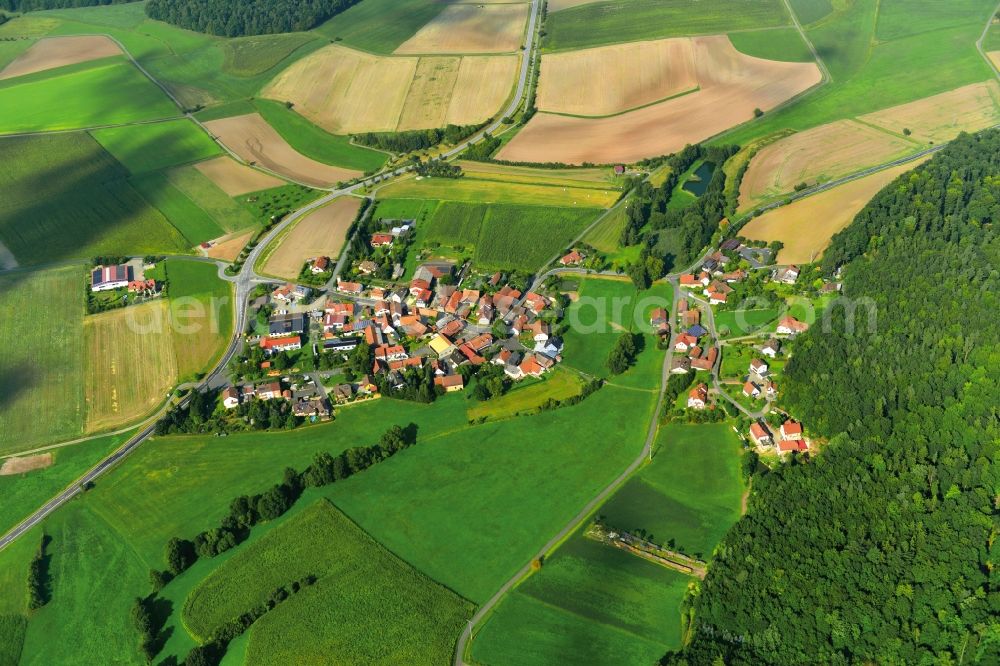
[55, 52]
[732, 85]
[255, 141]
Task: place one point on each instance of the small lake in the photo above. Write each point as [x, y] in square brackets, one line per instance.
[698, 182]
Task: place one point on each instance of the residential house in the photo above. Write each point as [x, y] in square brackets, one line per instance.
[758, 367]
[791, 326]
[450, 383]
[787, 275]
[680, 366]
[531, 366]
[684, 342]
[320, 265]
[342, 345]
[540, 330]
[571, 259]
[313, 407]
[287, 343]
[760, 434]
[716, 298]
[771, 390]
[353, 288]
[342, 392]
[751, 390]
[367, 267]
[706, 362]
[697, 330]
[268, 391]
[771, 348]
[659, 319]
[698, 397]
[231, 397]
[381, 239]
[285, 325]
[791, 431]
[441, 345]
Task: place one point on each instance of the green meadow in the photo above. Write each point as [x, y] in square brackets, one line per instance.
[880, 55]
[316, 143]
[145, 148]
[357, 580]
[733, 323]
[39, 369]
[192, 222]
[201, 308]
[614, 21]
[90, 209]
[783, 44]
[100, 92]
[593, 603]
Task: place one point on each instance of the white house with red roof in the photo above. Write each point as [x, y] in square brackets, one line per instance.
[760, 435]
[698, 397]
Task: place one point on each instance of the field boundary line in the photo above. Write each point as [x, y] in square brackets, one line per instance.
[982, 38]
[827, 77]
[683, 93]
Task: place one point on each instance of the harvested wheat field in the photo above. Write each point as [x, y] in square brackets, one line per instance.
[731, 85]
[256, 142]
[228, 247]
[628, 76]
[994, 58]
[817, 155]
[807, 225]
[941, 117]
[472, 28]
[321, 233]
[333, 87]
[130, 364]
[52, 52]
[234, 178]
[13, 466]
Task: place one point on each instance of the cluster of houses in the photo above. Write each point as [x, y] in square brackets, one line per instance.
[443, 325]
[699, 352]
[759, 381]
[307, 402]
[790, 437]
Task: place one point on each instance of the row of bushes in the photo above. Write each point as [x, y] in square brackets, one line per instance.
[38, 576]
[411, 140]
[623, 354]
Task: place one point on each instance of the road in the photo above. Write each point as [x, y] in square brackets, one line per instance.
[646, 454]
[247, 279]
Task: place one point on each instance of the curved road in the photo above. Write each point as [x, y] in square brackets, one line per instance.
[247, 278]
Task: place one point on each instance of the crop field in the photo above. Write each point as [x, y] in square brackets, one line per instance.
[131, 365]
[576, 177]
[872, 72]
[455, 224]
[731, 85]
[836, 149]
[322, 233]
[486, 188]
[408, 209]
[941, 117]
[474, 28]
[253, 55]
[380, 26]
[23, 493]
[193, 183]
[234, 178]
[192, 222]
[590, 604]
[810, 11]
[59, 51]
[606, 235]
[332, 88]
[807, 225]
[229, 246]
[614, 21]
[257, 143]
[525, 237]
[559, 5]
[818, 155]
[527, 398]
[12, 628]
[201, 314]
[145, 148]
[691, 493]
[88, 210]
[627, 76]
[359, 581]
[316, 143]
[603, 310]
[100, 92]
[40, 369]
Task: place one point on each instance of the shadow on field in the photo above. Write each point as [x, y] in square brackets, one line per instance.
[15, 380]
[65, 198]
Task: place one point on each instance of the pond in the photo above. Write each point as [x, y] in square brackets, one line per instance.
[698, 182]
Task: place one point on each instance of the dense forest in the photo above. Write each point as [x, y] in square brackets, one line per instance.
[236, 18]
[881, 548]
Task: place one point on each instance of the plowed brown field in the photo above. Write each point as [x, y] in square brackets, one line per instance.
[53, 52]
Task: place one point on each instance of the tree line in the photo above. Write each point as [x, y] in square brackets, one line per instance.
[883, 548]
[36, 5]
[411, 140]
[237, 18]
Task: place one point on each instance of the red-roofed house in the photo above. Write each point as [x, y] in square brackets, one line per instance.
[349, 287]
[320, 264]
[751, 390]
[760, 435]
[571, 259]
[380, 240]
[791, 431]
[287, 343]
[791, 326]
[684, 342]
[450, 382]
[698, 397]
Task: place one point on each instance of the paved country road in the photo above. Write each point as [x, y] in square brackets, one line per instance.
[247, 278]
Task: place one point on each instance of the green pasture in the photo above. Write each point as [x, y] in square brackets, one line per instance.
[145, 148]
[201, 314]
[783, 44]
[614, 21]
[589, 604]
[41, 374]
[12, 628]
[528, 396]
[100, 92]
[316, 143]
[594, 322]
[880, 55]
[736, 362]
[810, 11]
[690, 494]
[23, 493]
[65, 197]
[358, 581]
[420, 210]
[380, 26]
[743, 322]
[192, 222]
[197, 187]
